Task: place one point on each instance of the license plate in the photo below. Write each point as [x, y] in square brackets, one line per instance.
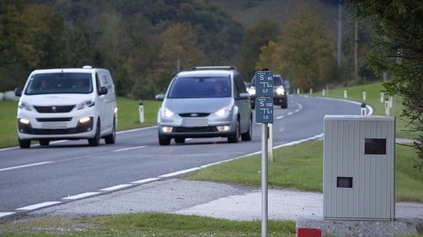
[195, 122]
[54, 125]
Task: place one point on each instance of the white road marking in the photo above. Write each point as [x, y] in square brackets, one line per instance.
[25, 166]
[129, 148]
[36, 206]
[280, 117]
[290, 113]
[143, 181]
[179, 172]
[2, 214]
[82, 195]
[113, 188]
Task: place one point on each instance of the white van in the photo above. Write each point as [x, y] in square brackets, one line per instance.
[68, 103]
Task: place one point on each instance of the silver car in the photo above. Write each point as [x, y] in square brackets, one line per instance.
[205, 103]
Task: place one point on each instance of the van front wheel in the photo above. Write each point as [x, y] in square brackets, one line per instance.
[95, 141]
[110, 139]
[24, 143]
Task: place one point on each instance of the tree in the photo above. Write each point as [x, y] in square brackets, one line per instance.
[398, 48]
[304, 54]
[254, 39]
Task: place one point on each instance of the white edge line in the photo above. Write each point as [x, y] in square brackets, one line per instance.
[179, 172]
[3, 214]
[36, 206]
[82, 195]
[25, 166]
[143, 181]
[116, 187]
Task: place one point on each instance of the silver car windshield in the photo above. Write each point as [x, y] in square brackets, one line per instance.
[200, 87]
[60, 83]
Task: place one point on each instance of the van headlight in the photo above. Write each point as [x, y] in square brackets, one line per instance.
[280, 90]
[167, 113]
[85, 104]
[224, 112]
[24, 105]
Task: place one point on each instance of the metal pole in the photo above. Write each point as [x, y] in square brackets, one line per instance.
[264, 163]
[270, 143]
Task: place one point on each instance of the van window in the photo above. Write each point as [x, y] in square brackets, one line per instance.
[200, 87]
[59, 83]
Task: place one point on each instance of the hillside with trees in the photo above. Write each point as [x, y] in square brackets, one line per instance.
[145, 42]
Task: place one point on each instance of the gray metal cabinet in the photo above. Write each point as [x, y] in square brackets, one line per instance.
[358, 168]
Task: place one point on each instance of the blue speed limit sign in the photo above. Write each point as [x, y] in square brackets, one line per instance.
[264, 110]
[264, 83]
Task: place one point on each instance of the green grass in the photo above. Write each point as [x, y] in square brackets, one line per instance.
[143, 224]
[373, 92]
[300, 167]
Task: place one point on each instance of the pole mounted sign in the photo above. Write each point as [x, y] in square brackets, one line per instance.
[264, 115]
[264, 83]
[264, 92]
[264, 110]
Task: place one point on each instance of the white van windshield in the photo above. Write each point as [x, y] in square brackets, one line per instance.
[60, 83]
[200, 87]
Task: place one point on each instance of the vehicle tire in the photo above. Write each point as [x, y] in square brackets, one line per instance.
[234, 138]
[111, 138]
[249, 134]
[44, 142]
[180, 140]
[95, 141]
[164, 141]
[284, 104]
[24, 143]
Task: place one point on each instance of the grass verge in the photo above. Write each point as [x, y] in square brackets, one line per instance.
[143, 224]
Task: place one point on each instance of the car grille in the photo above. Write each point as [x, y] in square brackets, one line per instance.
[184, 115]
[195, 129]
[54, 109]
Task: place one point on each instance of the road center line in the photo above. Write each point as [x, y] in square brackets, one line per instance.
[129, 148]
[25, 166]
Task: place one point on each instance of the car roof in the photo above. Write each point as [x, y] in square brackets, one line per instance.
[214, 68]
[205, 73]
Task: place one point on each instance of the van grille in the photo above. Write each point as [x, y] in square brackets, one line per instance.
[54, 109]
[54, 119]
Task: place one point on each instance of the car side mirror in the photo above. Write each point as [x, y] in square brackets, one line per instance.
[102, 91]
[18, 92]
[160, 97]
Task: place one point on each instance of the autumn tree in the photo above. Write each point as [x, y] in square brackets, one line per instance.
[398, 48]
[254, 39]
[304, 53]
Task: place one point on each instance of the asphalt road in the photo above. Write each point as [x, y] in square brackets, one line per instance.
[65, 171]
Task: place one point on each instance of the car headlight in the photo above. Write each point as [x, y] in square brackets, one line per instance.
[24, 105]
[224, 112]
[251, 91]
[85, 104]
[280, 90]
[167, 113]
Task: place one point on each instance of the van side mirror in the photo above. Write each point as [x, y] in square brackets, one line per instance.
[18, 92]
[102, 91]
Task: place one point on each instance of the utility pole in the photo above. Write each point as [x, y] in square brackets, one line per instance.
[356, 50]
[339, 33]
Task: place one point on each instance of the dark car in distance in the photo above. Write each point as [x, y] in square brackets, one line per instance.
[280, 94]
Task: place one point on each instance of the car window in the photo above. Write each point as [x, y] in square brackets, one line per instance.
[277, 81]
[59, 83]
[200, 87]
